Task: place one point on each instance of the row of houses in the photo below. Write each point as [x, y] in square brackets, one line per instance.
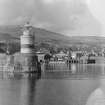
[71, 57]
[61, 56]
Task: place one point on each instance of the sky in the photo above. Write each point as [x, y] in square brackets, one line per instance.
[69, 17]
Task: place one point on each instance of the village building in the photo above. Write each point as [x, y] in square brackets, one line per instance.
[61, 56]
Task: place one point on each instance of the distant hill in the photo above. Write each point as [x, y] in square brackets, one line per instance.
[42, 35]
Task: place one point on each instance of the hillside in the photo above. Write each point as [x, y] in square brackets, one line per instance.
[42, 35]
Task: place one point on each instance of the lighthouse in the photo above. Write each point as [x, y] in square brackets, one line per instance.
[27, 40]
[27, 50]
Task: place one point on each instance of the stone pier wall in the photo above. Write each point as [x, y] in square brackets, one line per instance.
[19, 63]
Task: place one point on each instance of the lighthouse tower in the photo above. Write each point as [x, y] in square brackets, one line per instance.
[27, 49]
[27, 40]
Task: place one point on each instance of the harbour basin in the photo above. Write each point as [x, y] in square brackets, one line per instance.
[60, 84]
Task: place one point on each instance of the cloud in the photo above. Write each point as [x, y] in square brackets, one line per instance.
[97, 8]
[64, 16]
[11, 10]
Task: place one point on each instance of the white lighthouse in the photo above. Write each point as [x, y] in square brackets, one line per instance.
[28, 55]
[27, 40]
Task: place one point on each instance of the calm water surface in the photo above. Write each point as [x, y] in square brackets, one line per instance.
[58, 85]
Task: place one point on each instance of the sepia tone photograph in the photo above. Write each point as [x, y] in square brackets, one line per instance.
[52, 52]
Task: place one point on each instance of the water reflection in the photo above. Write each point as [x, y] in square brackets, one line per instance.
[19, 76]
[73, 68]
[15, 90]
[10, 75]
[85, 86]
[60, 71]
[74, 71]
[31, 89]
